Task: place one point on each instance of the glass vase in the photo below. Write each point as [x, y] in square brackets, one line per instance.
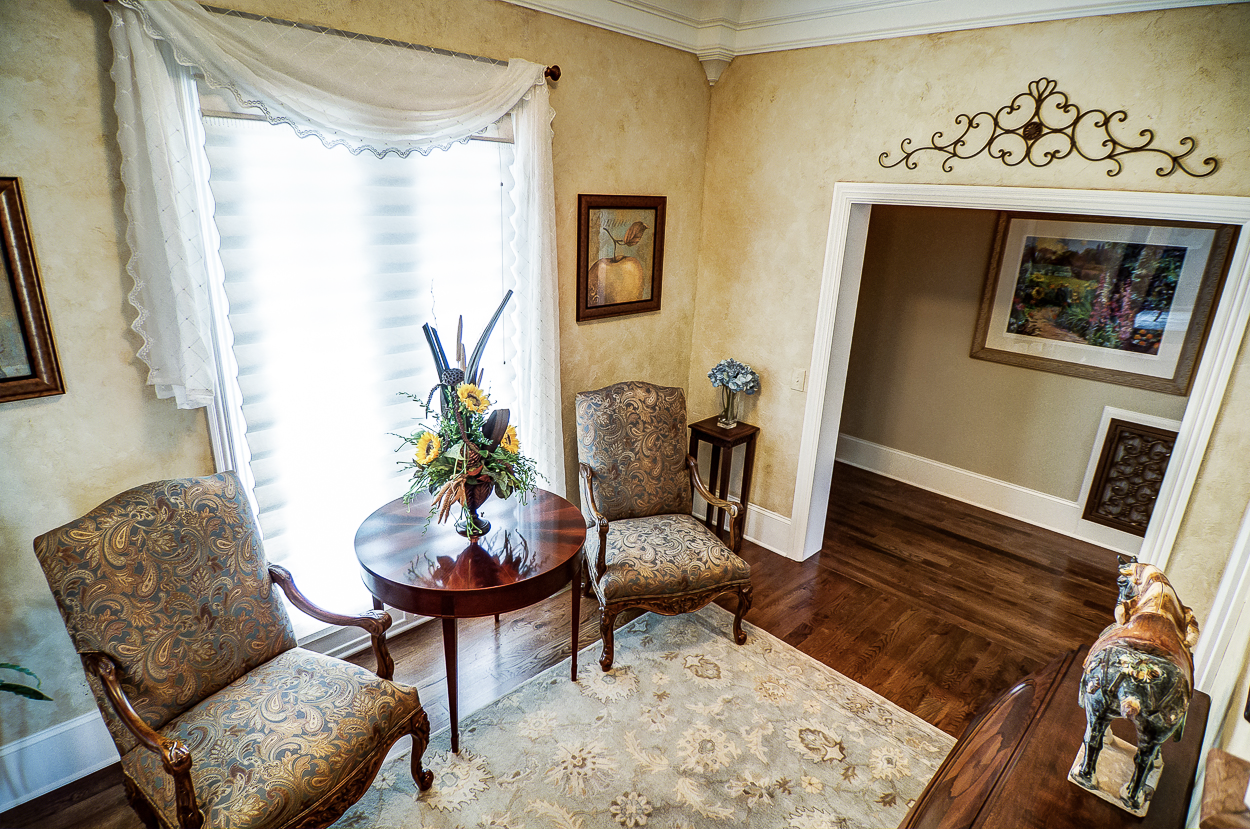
[728, 408]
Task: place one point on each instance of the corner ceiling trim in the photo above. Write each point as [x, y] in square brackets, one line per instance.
[723, 29]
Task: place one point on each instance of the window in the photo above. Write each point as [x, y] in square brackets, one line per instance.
[332, 262]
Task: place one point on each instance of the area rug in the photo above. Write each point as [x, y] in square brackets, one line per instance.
[687, 730]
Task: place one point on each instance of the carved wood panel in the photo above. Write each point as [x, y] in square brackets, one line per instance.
[1130, 471]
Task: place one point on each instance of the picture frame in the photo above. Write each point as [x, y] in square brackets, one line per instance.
[1127, 477]
[1117, 300]
[29, 366]
[620, 255]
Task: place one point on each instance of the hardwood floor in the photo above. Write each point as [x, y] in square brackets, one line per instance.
[933, 604]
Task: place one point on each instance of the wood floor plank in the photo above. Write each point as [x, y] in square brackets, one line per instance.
[935, 605]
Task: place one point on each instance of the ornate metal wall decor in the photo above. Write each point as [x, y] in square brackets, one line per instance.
[1130, 471]
[1040, 126]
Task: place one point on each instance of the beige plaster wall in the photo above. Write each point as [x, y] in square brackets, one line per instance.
[786, 126]
[61, 456]
[911, 385]
[631, 117]
[748, 168]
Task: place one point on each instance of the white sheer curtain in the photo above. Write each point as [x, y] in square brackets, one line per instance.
[358, 92]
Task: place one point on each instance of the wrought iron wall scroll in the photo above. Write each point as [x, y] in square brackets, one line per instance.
[1040, 126]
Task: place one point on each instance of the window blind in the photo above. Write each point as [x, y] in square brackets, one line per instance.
[332, 262]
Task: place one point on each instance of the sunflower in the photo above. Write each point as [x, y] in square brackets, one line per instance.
[473, 398]
[429, 447]
[510, 442]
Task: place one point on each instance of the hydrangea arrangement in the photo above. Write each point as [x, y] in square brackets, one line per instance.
[732, 378]
[735, 376]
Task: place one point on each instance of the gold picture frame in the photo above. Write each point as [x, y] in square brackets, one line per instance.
[29, 366]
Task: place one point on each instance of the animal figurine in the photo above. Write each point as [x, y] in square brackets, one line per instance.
[1140, 668]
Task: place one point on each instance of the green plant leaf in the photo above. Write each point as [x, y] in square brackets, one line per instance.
[11, 667]
[24, 691]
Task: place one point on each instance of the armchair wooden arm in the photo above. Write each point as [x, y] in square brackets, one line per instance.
[374, 622]
[734, 509]
[174, 753]
[588, 498]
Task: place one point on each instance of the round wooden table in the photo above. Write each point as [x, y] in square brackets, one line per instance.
[412, 562]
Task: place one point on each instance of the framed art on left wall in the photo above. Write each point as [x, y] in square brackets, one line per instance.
[28, 363]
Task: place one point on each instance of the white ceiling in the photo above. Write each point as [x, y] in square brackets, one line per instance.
[719, 30]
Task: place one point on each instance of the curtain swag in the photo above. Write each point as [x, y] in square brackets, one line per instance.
[359, 93]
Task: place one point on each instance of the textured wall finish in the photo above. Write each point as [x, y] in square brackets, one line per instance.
[786, 126]
[631, 117]
[61, 456]
[748, 168]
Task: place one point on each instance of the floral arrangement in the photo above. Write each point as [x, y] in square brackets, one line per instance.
[466, 451]
[732, 378]
[735, 376]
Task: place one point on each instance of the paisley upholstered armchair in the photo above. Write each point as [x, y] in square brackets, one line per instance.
[220, 719]
[645, 549]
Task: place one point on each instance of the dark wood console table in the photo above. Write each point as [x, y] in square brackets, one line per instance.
[723, 442]
[1010, 768]
[414, 563]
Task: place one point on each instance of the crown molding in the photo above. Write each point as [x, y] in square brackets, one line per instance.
[717, 31]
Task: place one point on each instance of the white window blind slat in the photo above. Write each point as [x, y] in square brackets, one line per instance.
[332, 264]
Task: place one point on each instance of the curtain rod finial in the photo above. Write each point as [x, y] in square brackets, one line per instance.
[552, 73]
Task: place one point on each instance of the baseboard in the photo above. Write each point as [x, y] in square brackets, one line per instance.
[769, 530]
[54, 757]
[1004, 498]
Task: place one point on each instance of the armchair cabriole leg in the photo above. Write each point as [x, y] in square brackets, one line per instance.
[744, 604]
[606, 621]
[423, 777]
[140, 804]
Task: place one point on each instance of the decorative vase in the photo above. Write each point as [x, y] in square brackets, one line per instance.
[469, 523]
[729, 408]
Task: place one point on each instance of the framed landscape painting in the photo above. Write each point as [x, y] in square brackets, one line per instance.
[28, 361]
[1124, 301]
[620, 255]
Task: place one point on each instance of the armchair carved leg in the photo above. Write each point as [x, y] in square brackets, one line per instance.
[744, 604]
[423, 777]
[606, 624]
[140, 804]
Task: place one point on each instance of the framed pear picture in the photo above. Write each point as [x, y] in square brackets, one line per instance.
[620, 255]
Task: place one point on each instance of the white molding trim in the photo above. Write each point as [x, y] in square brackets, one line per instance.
[835, 318]
[768, 529]
[1220, 658]
[54, 757]
[1002, 497]
[722, 29]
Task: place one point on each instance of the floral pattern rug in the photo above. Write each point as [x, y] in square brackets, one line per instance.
[687, 730]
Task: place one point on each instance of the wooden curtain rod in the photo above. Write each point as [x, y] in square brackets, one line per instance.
[551, 73]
